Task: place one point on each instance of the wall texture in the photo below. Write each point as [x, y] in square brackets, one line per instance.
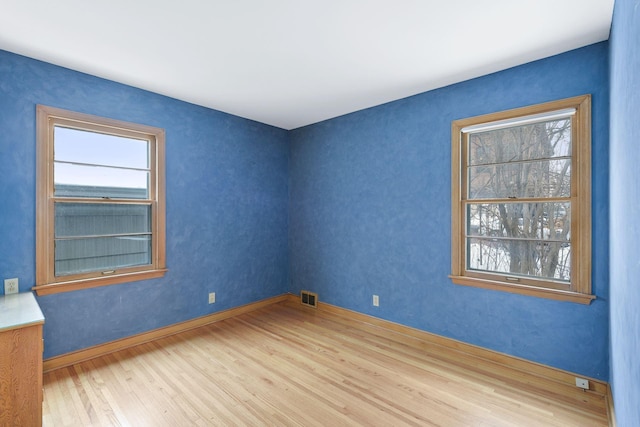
[370, 213]
[625, 211]
[350, 207]
[227, 195]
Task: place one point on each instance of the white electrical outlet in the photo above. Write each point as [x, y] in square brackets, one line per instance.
[11, 286]
[212, 297]
[376, 301]
[582, 383]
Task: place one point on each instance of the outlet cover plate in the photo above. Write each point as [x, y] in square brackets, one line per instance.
[582, 383]
[11, 286]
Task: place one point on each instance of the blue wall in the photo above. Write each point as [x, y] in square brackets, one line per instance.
[370, 213]
[349, 207]
[625, 211]
[227, 195]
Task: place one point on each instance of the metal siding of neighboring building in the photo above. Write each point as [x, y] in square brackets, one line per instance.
[96, 219]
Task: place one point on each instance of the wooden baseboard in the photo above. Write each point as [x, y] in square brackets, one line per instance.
[512, 362]
[610, 410]
[112, 346]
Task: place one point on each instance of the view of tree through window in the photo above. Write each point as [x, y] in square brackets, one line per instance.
[518, 191]
[521, 200]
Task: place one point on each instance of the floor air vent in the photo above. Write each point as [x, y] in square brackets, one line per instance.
[309, 298]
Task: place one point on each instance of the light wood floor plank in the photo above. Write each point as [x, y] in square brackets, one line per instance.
[287, 365]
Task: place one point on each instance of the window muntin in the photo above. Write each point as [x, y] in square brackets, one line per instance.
[100, 201]
[517, 195]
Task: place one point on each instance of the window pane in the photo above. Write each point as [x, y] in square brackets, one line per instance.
[539, 259]
[101, 254]
[541, 179]
[90, 181]
[527, 142]
[79, 146]
[93, 219]
[536, 221]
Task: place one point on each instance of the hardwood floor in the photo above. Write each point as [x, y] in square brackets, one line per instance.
[288, 365]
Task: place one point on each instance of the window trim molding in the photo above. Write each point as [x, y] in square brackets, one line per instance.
[579, 290]
[46, 282]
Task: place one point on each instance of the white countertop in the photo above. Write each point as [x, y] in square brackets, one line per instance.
[19, 310]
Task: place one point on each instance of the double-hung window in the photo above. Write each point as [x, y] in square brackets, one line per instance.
[100, 201]
[521, 202]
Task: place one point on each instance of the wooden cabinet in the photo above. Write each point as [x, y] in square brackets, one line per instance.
[20, 360]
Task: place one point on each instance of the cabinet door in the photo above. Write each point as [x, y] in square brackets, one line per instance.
[21, 376]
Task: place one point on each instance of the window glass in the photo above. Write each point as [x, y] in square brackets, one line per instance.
[101, 254]
[543, 140]
[90, 219]
[524, 239]
[529, 161]
[532, 179]
[83, 146]
[93, 164]
[72, 180]
[521, 219]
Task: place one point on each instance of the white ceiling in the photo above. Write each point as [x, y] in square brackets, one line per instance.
[290, 63]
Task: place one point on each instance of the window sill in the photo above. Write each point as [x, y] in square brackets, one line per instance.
[534, 291]
[74, 285]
